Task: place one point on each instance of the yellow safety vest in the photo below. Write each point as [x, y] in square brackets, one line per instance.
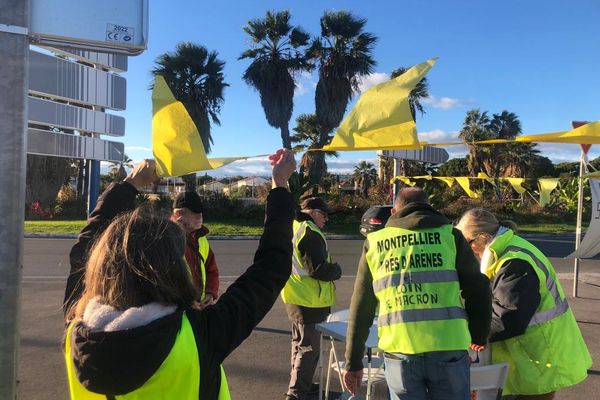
[178, 377]
[416, 284]
[301, 289]
[551, 354]
[203, 249]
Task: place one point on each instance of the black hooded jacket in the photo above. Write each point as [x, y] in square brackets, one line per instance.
[118, 362]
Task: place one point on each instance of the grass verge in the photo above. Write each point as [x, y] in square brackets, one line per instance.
[243, 227]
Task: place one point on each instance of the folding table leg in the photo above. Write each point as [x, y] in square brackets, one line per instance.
[369, 359]
[331, 352]
[321, 366]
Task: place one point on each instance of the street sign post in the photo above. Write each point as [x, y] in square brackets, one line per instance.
[14, 17]
[113, 26]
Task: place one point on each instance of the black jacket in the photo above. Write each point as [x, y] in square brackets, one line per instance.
[117, 362]
[516, 296]
[313, 251]
[474, 286]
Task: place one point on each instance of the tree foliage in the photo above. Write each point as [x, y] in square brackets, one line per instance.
[277, 53]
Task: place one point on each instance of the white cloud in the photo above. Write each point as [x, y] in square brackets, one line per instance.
[371, 80]
[138, 148]
[445, 103]
[304, 83]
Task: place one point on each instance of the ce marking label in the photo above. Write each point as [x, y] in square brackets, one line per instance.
[119, 33]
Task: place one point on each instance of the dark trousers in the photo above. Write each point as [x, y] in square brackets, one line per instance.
[305, 357]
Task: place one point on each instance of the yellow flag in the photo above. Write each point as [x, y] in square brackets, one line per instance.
[428, 177]
[403, 179]
[446, 179]
[546, 185]
[585, 134]
[464, 183]
[381, 118]
[516, 184]
[483, 175]
[593, 175]
[176, 143]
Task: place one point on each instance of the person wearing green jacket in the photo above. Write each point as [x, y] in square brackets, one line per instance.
[533, 328]
[433, 304]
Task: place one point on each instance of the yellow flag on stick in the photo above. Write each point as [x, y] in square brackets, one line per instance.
[381, 118]
[464, 183]
[546, 185]
[516, 184]
[176, 143]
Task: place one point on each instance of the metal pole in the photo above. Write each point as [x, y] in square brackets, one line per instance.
[579, 223]
[14, 84]
[94, 181]
[395, 187]
[582, 160]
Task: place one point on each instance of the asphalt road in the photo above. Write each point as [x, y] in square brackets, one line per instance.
[259, 368]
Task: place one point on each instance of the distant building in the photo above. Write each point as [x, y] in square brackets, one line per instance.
[214, 186]
[251, 182]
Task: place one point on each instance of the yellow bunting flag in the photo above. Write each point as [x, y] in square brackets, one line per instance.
[447, 180]
[381, 118]
[403, 179]
[593, 175]
[483, 175]
[176, 143]
[585, 134]
[464, 183]
[516, 184]
[428, 177]
[546, 185]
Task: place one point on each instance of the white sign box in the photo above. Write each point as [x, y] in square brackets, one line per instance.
[115, 26]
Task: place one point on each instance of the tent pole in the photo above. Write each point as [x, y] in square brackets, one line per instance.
[579, 223]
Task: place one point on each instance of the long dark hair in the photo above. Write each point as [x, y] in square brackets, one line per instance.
[138, 259]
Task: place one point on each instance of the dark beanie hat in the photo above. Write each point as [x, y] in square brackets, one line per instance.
[189, 200]
[315, 203]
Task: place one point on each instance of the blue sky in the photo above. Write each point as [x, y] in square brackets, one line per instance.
[538, 59]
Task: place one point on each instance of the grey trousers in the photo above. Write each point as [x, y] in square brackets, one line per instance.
[305, 357]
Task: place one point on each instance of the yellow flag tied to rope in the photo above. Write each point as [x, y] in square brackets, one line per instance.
[516, 184]
[446, 179]
[546, 185]
[585, 134]
[381, 118]
[176, 143]
[464, 183]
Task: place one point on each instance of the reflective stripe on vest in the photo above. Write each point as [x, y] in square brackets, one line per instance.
[560, 305]
[203, 250]
[178, 377]
[301, 289]
[416, 284]
[551, 354]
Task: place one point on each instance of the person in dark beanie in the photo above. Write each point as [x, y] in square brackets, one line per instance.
[188, 212]
[309, 293]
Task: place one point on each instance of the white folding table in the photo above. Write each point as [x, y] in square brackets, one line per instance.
[337, 330]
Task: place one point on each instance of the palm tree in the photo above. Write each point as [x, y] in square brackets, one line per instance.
[276, 53]
[343, 54]
[475, 128]
[195, 75]
[505, 125]
[366, 176]
[117, 169]
[419, 92]
[307, 137]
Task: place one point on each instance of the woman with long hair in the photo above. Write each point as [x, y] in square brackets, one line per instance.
[533, 328]
[134, 329]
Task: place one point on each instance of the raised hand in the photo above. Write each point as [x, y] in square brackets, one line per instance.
[284, 165]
